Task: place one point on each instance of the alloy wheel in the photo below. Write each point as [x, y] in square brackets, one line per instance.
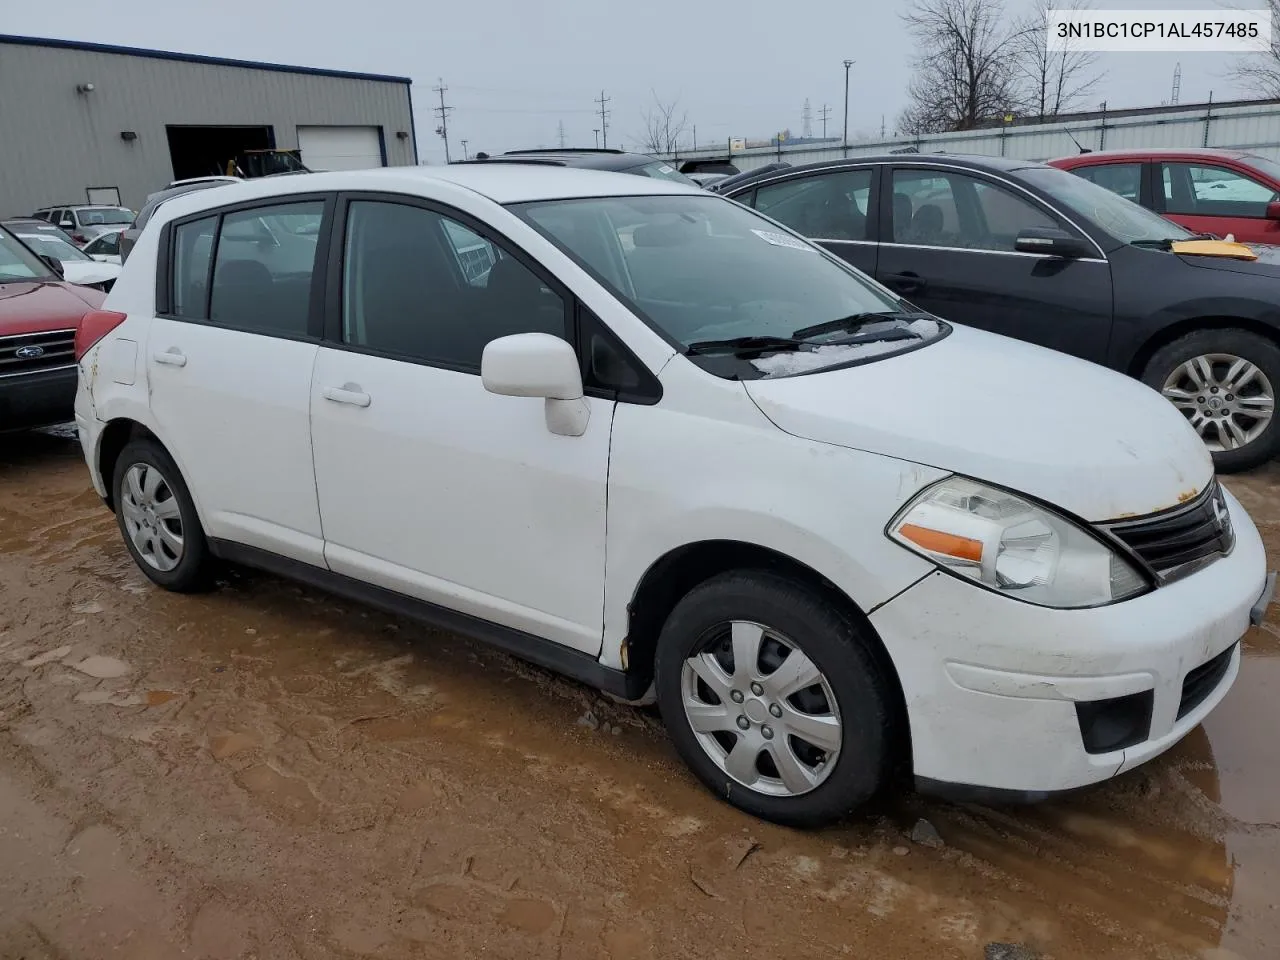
[761, 709]
[1227, 399]
[152, 516]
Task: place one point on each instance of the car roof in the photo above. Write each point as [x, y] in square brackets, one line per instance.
[601, 159]
[968, 161]
[499, 182]
[1207, 153]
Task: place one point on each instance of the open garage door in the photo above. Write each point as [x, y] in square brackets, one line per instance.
[340, 148]
[205, 151]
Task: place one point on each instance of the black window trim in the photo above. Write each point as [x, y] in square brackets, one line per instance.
[315, 305]
[874, 218]
[650, 391]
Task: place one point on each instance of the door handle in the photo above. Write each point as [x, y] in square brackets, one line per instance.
[347, 393]
[173, 356]
[907, 282]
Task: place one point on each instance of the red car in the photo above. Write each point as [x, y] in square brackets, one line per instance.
[1207, 191]
[39, 315]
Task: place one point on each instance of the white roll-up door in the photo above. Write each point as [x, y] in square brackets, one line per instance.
[340, 148]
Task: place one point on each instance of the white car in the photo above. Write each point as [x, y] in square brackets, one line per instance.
[106, 248]
[77, 266]
[713, 466]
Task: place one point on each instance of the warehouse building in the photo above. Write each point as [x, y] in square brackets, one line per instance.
[90, 123]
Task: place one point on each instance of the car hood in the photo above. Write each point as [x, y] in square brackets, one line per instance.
[1267, 264]
[88, 271]
[40, 306]
[1074, 434]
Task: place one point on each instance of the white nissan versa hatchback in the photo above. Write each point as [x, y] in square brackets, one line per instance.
[644, 436]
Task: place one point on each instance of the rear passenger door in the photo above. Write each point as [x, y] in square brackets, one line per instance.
[429, 485]
[229, 360]
[836, 209]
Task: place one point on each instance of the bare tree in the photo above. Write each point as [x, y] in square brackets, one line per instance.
[1051, 82]
[663, 126]
[964, 73]
[1259, 73]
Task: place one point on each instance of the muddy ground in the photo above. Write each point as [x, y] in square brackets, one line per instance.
[266, 772]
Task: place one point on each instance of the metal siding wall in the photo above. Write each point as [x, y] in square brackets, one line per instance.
[55, 142]
[1254, 128]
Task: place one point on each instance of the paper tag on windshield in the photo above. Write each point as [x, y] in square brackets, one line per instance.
[782, 240]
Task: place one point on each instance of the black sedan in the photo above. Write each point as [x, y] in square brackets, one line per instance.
[1033, 252]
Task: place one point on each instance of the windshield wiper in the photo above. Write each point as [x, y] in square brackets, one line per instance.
[853, 322]
[1166, 244]
[755, 344]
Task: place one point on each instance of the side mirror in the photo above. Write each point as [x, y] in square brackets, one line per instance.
[1051, 241]
[67, 224]
[1273, 210]
[538, 365]
[54, 264]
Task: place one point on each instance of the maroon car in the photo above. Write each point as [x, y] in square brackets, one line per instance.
[39, 314]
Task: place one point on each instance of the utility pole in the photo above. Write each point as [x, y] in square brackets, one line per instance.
[604, 122]
[443, 112]
[596, 131]
[560, 133]
[806, 117]
[465, 155]
[824, 113]
[847, 65]
[695, 136]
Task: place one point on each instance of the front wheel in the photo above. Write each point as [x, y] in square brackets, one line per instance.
[774, 698]
[1224, 382]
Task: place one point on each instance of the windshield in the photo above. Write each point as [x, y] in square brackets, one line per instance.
[49, 243]
[1123, 219]
[705, 271]
[93, 216]
[659, 170]
[19, 263]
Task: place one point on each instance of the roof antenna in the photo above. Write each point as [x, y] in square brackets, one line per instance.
[1082, 149]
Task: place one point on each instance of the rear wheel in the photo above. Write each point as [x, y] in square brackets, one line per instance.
[158, 517]
[1224, 382]
[774, 698]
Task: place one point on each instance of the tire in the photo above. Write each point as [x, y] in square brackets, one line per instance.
[152, 518]
[1170, 372]
[865, 693]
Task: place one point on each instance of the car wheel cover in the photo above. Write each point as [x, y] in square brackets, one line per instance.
[1227, 399]
[152, 516]
[761, 710]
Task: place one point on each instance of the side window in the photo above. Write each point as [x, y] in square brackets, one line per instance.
[1124, 179]
[1196, 189]
[110, 244]
[1004, 216]
[263, 267]
[192, 248]
[828, 207]
[422, 286]
[937, 209]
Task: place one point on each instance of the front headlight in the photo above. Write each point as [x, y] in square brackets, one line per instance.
[1012, 546]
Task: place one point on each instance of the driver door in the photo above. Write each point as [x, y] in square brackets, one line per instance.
[949, 248]
[1209, 198]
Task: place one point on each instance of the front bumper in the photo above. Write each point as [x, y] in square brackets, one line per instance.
[37, 399]
[992, 684]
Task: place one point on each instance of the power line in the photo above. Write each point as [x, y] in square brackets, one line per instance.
[443, 112]
[604, 121]
[824, 113]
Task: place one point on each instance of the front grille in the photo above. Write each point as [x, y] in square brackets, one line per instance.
[1203, 680]
[1175, 542]
[33, 352]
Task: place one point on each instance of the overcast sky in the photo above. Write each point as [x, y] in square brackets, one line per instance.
[517, 68]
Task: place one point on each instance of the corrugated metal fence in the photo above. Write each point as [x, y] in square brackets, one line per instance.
[1240, 126]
